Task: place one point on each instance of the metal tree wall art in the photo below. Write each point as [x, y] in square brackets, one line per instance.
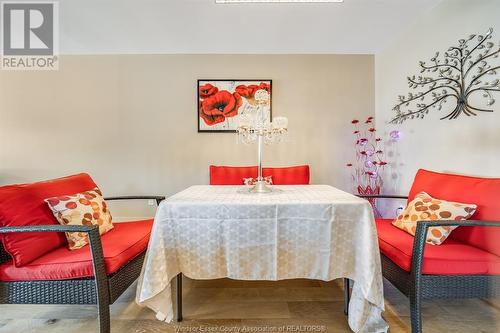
[462, 71]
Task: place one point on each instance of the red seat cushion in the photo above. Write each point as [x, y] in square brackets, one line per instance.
[450, 258]
[24, 204]
[484, 192]
[228, 175]
[120, 245]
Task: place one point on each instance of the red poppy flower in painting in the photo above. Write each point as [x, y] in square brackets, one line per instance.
[217, 107]
[355, 121]
[247, 91]
[239, 102]
[265, 86]
[207, 90]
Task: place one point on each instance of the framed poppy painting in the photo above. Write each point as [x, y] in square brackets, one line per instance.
[221, 102]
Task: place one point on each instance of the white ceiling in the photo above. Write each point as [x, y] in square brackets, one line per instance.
[201, 26]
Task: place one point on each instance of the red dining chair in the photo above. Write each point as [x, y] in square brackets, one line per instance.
[36, 266]
[231, 175]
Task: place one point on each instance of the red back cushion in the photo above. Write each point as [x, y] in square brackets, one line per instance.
[23, 204]
[484, 192]
[227, 175]
[297, 175]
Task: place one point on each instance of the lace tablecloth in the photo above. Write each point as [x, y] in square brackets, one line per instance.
[300, 231]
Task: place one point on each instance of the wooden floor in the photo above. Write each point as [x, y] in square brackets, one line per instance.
[256, 307]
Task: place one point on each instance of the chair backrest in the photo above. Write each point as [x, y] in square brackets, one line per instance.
[484, 192]
[23, 204]
[230, 175]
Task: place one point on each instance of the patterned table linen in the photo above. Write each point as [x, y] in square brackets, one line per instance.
[301, 231]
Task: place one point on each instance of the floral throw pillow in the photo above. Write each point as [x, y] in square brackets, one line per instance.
[252, 181]
[426, 208]
[86, 208]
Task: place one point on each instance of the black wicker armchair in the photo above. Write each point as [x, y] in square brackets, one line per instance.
[102, 289]
[418, 286]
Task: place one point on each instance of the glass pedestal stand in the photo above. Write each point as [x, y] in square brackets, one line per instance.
[260, 186]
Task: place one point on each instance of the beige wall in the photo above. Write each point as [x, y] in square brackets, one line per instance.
[467, 145]
[130, 120]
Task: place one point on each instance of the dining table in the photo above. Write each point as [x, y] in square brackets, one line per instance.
[296, 231]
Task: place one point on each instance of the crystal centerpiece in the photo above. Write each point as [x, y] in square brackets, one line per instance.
[254, 127]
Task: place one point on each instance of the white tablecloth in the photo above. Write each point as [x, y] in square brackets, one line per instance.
[302, 231]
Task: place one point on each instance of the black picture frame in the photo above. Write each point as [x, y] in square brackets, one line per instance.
[198, 100]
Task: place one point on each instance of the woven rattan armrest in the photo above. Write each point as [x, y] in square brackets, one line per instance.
[421, 235]
[157, 198]
[92, 231]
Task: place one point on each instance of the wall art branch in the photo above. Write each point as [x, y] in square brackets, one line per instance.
[461, 72]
